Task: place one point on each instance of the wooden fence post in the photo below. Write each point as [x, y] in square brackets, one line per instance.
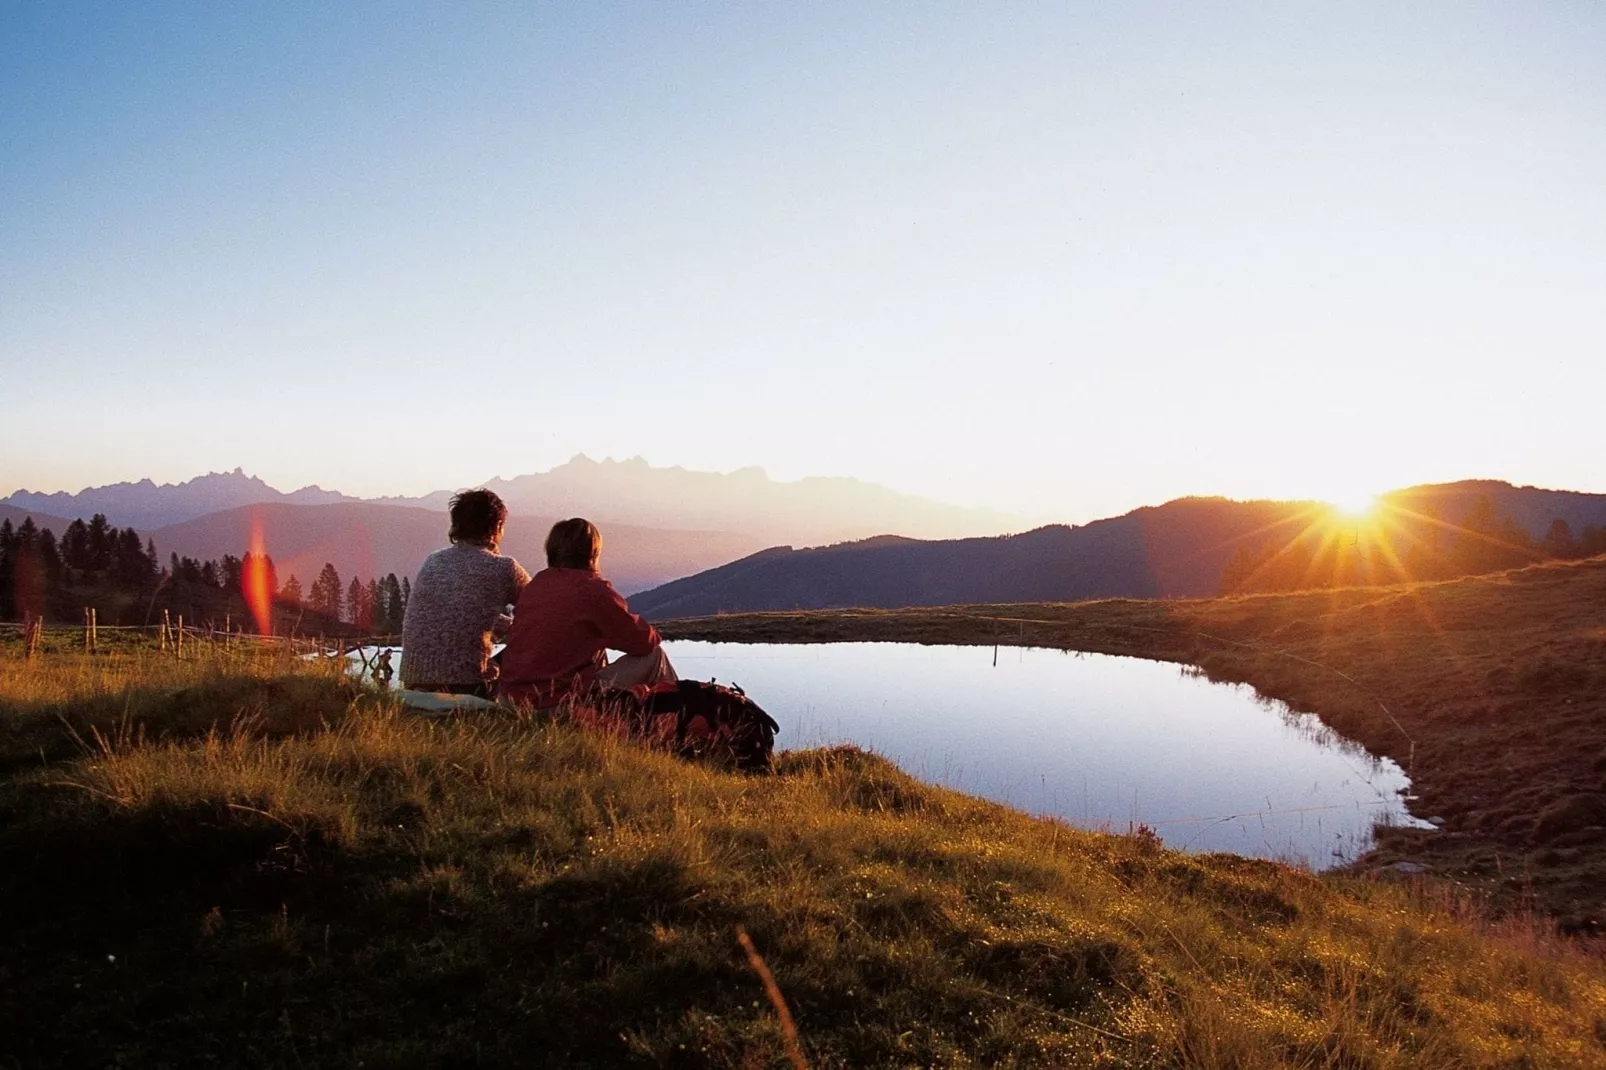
[167, 626]
[178, 637]
[94, 630]
[30, 635]
[86, 629]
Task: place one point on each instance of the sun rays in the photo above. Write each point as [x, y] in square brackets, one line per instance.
[1367, 541]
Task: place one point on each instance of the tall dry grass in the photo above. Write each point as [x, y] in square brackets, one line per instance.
[267, 851]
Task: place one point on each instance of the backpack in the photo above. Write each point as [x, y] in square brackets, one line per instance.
[710, 721]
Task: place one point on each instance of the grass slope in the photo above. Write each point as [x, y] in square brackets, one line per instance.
[1489, 690]
[246, 860]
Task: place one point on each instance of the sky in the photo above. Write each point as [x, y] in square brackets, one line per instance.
[1056, 259]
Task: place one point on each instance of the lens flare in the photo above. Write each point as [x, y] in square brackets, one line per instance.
[257, 580]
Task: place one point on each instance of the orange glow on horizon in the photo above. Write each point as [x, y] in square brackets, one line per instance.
[257, 582]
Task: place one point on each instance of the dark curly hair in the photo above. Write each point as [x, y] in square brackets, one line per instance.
[478, 517]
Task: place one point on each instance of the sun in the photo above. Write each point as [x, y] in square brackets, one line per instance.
[1356, 506]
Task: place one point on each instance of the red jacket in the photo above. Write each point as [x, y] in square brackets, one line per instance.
[566, 618]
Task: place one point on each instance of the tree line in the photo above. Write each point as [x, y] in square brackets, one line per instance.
[1400, 548]
[122, 577]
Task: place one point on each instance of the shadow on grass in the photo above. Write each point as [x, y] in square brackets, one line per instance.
[157, 935]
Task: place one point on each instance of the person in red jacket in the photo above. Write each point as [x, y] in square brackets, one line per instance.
[567, 618]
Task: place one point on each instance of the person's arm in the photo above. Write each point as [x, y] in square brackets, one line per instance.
[516, 580]
[621, 629]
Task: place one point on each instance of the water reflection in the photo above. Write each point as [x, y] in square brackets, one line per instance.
[1102, 741]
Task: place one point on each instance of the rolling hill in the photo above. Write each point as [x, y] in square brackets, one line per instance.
[1175, 550]
[17, 515]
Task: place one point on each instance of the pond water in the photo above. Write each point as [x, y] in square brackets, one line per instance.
[1101, 741]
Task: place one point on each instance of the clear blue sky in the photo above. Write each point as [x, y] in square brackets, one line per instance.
[1057, 259]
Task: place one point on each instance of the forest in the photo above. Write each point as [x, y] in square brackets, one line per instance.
[124, 579]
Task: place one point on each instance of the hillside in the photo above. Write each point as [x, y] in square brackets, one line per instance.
[364, 539]
[1176, 550]
[328, 881]
[17, 514]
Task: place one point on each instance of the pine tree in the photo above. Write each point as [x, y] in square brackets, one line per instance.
[99, 543]
[128, 558]
[50, 559]
[27, 573]
[395, 609]
[8, 546]
[75, 546]
[326, 596]
[291, 593]
[356, 611]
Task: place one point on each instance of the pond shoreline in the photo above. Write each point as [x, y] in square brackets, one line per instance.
[1489, 691]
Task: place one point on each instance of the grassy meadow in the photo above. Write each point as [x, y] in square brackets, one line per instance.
[246, 859]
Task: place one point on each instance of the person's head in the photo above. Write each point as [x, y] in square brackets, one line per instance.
[477, 518]
[574, 543]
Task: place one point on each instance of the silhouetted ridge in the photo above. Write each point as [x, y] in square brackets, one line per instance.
[1180, 549]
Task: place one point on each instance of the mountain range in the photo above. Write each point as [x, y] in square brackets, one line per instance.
[631, 492]
[657, 523]
[1176, 550]
[146, 504]
[366, 539]
[673, 567]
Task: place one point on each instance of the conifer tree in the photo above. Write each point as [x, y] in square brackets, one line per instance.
[75, 546]
[8, 549]
[355, 610]
[291, 592]
[395, 609]
[327, 596]
[100, 543]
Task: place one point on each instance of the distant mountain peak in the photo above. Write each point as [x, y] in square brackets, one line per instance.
[809, 511]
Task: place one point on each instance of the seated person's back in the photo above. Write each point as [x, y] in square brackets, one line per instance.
[459, 599]
[568, 617]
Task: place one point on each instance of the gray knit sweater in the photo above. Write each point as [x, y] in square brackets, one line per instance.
[456, 600]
